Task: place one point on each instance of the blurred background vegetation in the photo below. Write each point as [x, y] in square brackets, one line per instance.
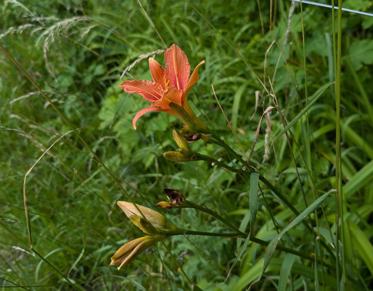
[60, 66]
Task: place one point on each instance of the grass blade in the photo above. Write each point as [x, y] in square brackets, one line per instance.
[363, 246]
[312, 101]
[273, 244]
[236, 105]
[253, 199]
[359, 180]
[250, 276]
[286, 266]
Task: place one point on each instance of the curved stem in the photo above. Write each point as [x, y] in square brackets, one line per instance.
[243, 235]
[267, 183]
[201, 157]
[189, 204]
[205, 233]
[294, 210]
[192, 121]
[218, 141]
[278, 194]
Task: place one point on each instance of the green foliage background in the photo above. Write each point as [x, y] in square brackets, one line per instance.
[60, 67]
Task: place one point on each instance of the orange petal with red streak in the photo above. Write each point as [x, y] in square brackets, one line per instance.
[193, 77]
[157, 72]
[177, 67]
[147, 89]
[141, 113]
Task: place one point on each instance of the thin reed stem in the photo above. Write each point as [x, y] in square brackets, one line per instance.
[189, 204]
[341, 274]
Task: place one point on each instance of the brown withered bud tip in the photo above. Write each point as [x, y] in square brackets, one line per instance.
[192, 136]
[176, 198]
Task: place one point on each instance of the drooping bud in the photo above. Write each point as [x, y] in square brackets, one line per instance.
[144, 225]
[125, 254]
[164, 204]
[148, 220]
[180, 141]
[177, 156]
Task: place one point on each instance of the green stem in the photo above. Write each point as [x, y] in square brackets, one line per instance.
[243, 235]
[267, 183]
[238, 233]
[190, 120]
[197, 156]
[338, 176]
[205, 233]
[294, 210]
[189, 204]
[217, 140]
[278, 194]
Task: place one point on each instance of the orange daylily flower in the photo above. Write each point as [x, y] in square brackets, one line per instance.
[169, 85]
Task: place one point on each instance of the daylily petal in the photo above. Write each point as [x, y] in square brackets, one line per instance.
[193, 78]
[177, 67]
[130, 249]
[140, 247]
[155, 218]
[149, 90]
[157, 72]
[172, 95]
[116, 259]
[141, 113]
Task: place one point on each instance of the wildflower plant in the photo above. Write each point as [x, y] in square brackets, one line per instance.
[167, 92]
[263, 183]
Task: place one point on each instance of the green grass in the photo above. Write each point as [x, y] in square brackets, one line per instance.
[68, 146]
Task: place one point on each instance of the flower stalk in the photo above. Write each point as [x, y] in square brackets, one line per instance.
[309, 257]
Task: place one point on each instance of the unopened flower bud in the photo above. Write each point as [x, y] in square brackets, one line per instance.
[129, 250]
[164, 204]
[176, 197]
[144, 225]
[180, 141]
[148, 220]
[177, 156]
